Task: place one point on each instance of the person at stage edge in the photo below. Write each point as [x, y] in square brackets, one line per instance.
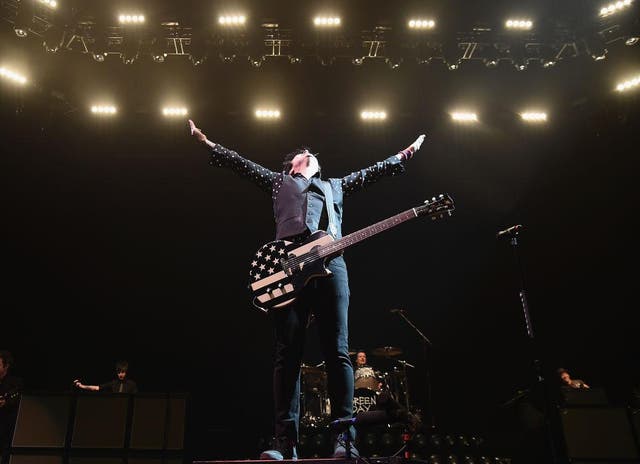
[567, 383]
[121, 384]
[300, 199]
[10, 388]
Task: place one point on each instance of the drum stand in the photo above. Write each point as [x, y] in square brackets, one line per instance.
[426, 343]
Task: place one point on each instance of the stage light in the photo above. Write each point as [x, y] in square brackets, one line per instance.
[519, 24]
[632, 41]
[421, 24]
[24, 19]
[451, 54]
[49, 3]
[534, 116]
[596, 47]
[131, 19]
[12, 76]
[104, 110]
[232, 20]
[369, 115]
[53, 39]
[267, 113]
[491, 58]
[628, 84]
[613, 8]
[548, 56]
[174, 112]
[327, 21]
[462, 117]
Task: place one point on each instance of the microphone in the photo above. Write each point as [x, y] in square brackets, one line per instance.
[395, 310]
[510, 230]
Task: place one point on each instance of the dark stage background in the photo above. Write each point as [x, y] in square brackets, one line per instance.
[119, 241]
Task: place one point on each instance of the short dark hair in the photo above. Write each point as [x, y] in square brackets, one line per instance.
[561, 370]
[122, 366]
[7, 357]
[286, 163]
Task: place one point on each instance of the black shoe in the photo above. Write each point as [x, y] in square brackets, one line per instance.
[283, 448]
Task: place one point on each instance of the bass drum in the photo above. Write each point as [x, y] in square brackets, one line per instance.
[364, 399]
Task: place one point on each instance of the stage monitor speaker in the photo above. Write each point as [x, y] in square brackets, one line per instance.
[149, 423]
[101, 422]
[175, 427]
[42, 421]
[34, 459]
[598, 433]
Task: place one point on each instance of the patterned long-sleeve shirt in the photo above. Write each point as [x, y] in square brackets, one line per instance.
[299, 202]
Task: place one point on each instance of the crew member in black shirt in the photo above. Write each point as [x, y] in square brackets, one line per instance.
[303, 203]
[121, 384]
[10, 388]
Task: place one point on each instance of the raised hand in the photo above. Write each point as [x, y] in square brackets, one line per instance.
[197, 133]
[415, 146]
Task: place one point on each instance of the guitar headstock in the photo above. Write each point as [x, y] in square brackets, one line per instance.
[437, 208]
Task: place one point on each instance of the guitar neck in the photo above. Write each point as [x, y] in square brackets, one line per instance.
[362, 234]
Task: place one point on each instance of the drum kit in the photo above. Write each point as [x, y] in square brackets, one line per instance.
[368, 384]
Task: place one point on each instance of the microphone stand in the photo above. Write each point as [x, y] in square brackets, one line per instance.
[513, 233]
[426, 343]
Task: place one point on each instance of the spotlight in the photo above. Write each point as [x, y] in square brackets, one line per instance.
[173, 112]
[451, 54]
[267, 113]
[613, 8]
[462, 117]
[103, 110]
[131, 19]
[369, 115]
[199, 49]
[519, 24]
[628, 84]
[50, 3]
[534, 116]
[548, 56]
[232, 20]
[596, 47]
[421, 24]
[24, 19]
[13, 76]
[491, 58]
[53, 38]
[327, 21]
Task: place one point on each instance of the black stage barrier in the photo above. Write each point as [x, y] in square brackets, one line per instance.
[97, 428]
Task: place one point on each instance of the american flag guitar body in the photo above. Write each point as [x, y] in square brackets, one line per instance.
[280, 269]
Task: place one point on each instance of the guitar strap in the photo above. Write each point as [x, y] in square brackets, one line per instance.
[331, 214]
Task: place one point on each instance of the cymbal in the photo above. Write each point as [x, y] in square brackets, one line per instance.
[386, 351]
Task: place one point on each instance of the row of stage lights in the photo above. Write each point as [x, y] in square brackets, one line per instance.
[334, 21]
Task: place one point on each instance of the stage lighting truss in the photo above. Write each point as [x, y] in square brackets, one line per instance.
[395, 45]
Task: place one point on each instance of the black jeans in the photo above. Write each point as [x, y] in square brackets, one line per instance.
[328, 300]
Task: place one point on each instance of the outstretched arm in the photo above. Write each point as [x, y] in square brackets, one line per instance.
[82, 386]
[390, 167]
[223, 157]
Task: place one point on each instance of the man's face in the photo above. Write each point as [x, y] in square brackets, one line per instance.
[4, 368]
[304, 160]
[361, 359]
[566, 378]
[122, 375]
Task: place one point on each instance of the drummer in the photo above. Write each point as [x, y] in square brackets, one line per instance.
[362, 369]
